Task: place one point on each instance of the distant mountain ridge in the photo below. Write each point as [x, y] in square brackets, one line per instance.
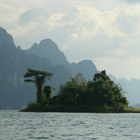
[14, 93]
[86, 67]
[49, 49]
[131, 89]
[6, 40]
[14, 62]
[45, 49]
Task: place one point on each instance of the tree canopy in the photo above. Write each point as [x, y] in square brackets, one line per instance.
[101, 92]
[38, 77]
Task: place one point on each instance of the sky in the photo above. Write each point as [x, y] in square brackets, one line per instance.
[104, 31]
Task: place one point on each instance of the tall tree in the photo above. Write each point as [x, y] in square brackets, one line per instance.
[38, 77]
[107, 92]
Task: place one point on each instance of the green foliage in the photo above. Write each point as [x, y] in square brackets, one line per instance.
[101, 93]
[107, 92]
[31, 73]
[35, 107]
[47, 90]
[69, 93]
[38, 77]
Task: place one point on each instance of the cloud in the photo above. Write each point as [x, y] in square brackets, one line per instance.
[93, 21]
[132, 1]
[128, 24]
[55, 21]
[29, 16]
[106, 31]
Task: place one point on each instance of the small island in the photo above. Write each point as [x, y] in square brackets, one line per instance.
[101, 95]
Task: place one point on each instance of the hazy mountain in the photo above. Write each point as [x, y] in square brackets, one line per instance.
[6, 40]
[86, 67]
[132, 89]
[14, 62]
[14, 93]
[49, 49]
[136, 105]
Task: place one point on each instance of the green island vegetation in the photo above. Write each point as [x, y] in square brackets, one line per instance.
[78, 95]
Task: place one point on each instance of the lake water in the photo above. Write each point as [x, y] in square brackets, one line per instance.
[16, 125]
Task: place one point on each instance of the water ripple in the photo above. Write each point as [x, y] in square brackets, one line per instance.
[16, 125]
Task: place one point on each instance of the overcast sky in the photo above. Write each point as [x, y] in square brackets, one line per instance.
[105, 31]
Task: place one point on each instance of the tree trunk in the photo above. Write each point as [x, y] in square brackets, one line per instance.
[40, 94]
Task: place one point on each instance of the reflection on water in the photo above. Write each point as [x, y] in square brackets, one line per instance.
[16, 125]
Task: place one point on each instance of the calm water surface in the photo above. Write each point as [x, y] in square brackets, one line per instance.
[15, 125]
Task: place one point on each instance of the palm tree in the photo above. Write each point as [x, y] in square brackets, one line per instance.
[38, 77]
